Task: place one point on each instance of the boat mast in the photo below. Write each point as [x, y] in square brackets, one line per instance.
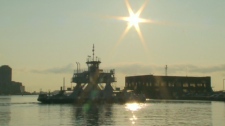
[64, 83]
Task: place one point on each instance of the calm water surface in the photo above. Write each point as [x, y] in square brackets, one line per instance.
[26, 111]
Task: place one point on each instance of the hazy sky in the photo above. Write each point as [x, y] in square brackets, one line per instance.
[41, 40]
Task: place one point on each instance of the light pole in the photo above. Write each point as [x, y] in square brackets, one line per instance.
[223, 84]
[77, 66]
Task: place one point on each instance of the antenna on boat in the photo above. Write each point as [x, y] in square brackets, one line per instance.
[64, 83]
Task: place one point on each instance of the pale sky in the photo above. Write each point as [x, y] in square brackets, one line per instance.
[42, 40]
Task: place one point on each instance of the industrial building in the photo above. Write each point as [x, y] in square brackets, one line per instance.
[168, 87]
[7, 86]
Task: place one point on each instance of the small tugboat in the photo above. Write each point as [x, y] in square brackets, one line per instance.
[93, 85]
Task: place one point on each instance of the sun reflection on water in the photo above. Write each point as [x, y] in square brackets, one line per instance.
[133, 107]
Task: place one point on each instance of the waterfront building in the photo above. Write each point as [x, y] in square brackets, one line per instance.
[168, 87]
[5, 75]
[7, 86]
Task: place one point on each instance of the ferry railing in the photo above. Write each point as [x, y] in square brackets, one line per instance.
[89, 59]
[101, 70]
[80, 71]
[108, 71]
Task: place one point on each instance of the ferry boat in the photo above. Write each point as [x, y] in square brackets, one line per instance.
[93, 85]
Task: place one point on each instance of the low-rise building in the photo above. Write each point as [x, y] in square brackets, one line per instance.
[168, 86]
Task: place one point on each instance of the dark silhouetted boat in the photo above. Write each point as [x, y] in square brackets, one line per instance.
[93, 85]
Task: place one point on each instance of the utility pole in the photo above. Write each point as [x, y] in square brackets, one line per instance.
[78, 66]
[166, 70]
[223, 85]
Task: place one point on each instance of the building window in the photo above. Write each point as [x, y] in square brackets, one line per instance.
[163, 84]
[185, 90]
[127, 85]
[178, 85]
[199, 85]
[171, 85]
[132, 84]
[146, 84]
[192, 85]
[185, 85]
[156, 84]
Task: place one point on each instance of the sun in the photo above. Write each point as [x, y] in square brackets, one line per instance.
[133, 21]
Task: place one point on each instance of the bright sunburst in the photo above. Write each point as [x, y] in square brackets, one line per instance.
[133, 21]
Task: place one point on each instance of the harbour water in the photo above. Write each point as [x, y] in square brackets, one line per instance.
[26, 111]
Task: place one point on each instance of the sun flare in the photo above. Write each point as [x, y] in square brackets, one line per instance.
[133, 21]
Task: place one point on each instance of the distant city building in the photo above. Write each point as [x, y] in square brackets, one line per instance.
[7, 86]
[5, 75]
[168, 86]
